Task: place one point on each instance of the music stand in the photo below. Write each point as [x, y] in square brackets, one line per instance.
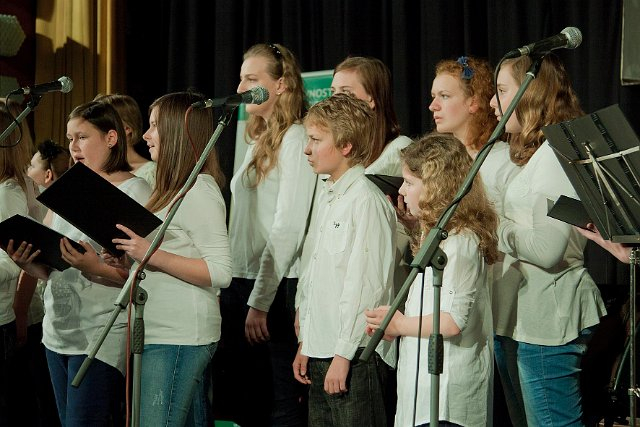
[600, 153]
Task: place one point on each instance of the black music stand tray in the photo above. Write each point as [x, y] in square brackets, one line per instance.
[600, 153]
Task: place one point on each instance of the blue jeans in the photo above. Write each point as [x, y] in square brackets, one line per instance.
[550, 381]
[98, 399]
[363, 403]
[173, 385]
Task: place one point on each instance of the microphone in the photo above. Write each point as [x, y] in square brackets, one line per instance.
[569, 38]
[257, 95]
[64, 84]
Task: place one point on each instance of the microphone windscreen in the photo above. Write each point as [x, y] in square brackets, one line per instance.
[574, 37]
[259, 95]
[67, 84]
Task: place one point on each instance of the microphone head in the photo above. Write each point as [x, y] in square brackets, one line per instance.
[258, 95]
[574, 37]
[66, 84]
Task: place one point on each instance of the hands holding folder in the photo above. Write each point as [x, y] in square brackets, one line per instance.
[91, 204]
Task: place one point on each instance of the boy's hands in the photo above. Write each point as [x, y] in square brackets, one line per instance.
[335, 382]
[300, 367]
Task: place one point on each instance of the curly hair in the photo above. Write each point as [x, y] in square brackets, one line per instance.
[480, 86]
[288, 109]
[549, 99]
[375, 78]
[176, 158]
[442, 163]
[350, 121]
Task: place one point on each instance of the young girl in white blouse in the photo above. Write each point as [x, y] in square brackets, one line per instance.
[434, 167]
[182, 315]
[79, 300]
[271, 198]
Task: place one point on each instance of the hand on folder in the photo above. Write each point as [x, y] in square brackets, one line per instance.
[135, 246]
[618, 250]
[88, 261]
[23, 255]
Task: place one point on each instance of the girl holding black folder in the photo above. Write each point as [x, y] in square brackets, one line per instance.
[543, 327]
[79, 300]
[182, 315]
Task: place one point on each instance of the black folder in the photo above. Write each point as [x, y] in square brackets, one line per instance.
[571, 211]
[388, 184]
[94, 206]
[24, 229]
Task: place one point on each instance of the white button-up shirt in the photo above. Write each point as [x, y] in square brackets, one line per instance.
[350, 270]
[468, 357]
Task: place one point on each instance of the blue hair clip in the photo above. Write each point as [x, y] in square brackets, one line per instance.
[467, 72]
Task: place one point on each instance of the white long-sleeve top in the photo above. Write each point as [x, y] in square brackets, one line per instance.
[497, 171]
[177, 312]
[76, 308]
[350, 268]
[465, 393]
[389, 162]
[545, 295]
[12, 201]
[268, 222]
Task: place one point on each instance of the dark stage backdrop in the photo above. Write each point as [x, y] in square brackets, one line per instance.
[178, 44]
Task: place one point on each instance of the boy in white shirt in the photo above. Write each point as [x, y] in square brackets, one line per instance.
[351, 269]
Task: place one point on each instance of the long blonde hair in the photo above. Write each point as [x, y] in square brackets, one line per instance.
[442, 163]
[176, 158]
[549, 99]
[288, 109]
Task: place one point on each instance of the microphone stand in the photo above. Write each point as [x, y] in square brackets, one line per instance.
[32, 104]
[140, 294]
[430, 255]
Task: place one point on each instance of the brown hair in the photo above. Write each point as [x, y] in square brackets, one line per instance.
[129, 113]
[288, 109]
[14, 158]
[480, 86]
[105, 118]
[375, 78]
[350, 121]
[442, 163]
[176, 158]
[549, 99]
[55, 157]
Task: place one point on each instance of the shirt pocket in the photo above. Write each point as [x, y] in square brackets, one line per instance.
[336, 236]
